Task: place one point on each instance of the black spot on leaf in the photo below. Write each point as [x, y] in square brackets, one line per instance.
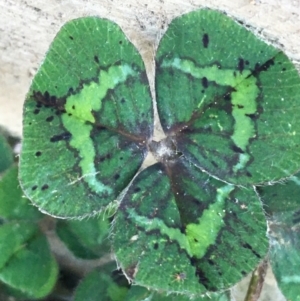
[204, 82]
[36, 111]
[34, 187]
[240, 106]
[248, 174]
[71, 38]
[50, 118]
[296, 217]
[137, 189]
[205, 40]
[45, 187]
[116, 176]
[63, 136]
[96, 59]
[214, 164]
[123, 100]
[38, 153]
[155, 246]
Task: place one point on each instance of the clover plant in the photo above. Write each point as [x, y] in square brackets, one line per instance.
[228, 102]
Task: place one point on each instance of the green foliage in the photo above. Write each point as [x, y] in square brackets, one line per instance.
[26, 263]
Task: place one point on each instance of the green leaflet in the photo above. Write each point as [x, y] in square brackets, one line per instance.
[228, 103]
[215, 91]
[162, 230]
[88, 113]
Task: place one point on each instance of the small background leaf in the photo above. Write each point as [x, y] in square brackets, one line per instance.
[86, 238]
[6, 154]
[282, 203]
[32, 270]
[102, 282]
[13, 204]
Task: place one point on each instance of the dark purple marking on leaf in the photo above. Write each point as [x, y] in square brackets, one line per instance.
[214, 163]
[45, 186]
[248, 174]
[227, 97]
[236, 149]
[50, 118]
[252, 116]
[264, 67]
[137, 189]
[241, 65]
[63, 136]
[247, 246]
[205, 40]
[204, 82]
[144, 78]
[296, 217]
[38, 153]
[200, 274]
[49, 100]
